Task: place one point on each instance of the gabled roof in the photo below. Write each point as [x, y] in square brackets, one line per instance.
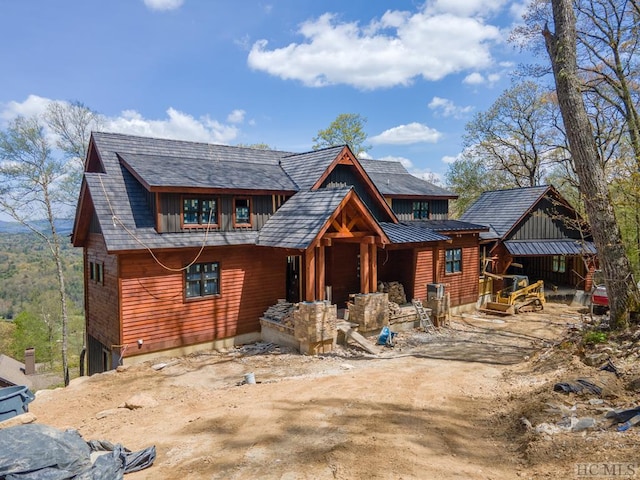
[163, 173]
[122, 169]
[12, 371]
[502, 210]
[306, 168]
[393, 180]
[306, 216]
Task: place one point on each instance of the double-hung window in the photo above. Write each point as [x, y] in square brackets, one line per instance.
[420, 210]
[202, 279]
[199, 211]
[453, 260]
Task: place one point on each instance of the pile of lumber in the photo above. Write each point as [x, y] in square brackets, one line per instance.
[281, 312]
[394, 309]
[395, 291]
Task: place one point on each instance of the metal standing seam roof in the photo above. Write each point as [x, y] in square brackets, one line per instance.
[160, 171]
[502, 209]
[448, 225]
[407, 233]
[522, 248]
[297, 223]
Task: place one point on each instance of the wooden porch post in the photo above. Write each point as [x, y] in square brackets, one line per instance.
[436, 264]
[373, 277]
[364, 268]
[309, 274]
[320, 273]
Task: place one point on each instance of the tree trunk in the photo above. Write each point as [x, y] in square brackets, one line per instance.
[561, 46]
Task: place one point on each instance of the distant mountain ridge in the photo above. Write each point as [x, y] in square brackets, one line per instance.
[64, 226]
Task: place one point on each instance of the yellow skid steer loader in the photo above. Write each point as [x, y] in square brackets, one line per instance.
[518, 296]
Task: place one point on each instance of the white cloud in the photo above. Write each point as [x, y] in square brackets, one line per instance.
[446, 108]
[406, 163]
[449, 159]
[393, 50]
[32, 106]
[236, 116]
[407, 134]
[163, 5]
[177, 124]
[474, 78]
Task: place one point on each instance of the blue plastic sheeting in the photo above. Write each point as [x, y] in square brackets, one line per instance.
[40, 452]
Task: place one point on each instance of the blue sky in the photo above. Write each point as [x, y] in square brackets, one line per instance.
[257, 71]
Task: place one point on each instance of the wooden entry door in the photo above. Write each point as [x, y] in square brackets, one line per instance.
[343, 271]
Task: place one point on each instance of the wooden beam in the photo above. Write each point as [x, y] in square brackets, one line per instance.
[373, 277]
[320, 273]
[309, 275]
[364, 268]
[436, 264]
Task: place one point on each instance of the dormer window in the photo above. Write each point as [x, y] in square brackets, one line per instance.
[199, 211]
[242, 212]
[420, 210]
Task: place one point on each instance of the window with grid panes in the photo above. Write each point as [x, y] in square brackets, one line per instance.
[420, 210]
[202, 279]
[199, 211]
[453, 260]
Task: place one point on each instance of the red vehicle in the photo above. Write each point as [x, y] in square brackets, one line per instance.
[599, 300]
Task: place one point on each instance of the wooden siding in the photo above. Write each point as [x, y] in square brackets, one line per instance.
[546, 221]
[462, 286]
[346, 176]
[154, 308]
[171, 207]
[403, 208]
[423, 266]
[101, 298]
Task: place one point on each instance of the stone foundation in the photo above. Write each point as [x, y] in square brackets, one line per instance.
[370, 311]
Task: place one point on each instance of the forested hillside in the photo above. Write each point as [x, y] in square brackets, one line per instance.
[29, 297]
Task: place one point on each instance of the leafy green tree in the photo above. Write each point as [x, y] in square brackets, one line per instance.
[32, 331]
[346, 129]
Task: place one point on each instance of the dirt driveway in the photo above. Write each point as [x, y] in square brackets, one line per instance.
[427, 408]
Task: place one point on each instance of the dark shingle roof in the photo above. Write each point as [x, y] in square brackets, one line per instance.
[502, 209]
[297, 223]
[392, 178]
[408, 233]
[522, 248]
[306, 168]
[172, 171]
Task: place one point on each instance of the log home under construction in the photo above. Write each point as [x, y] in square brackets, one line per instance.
[187, 244]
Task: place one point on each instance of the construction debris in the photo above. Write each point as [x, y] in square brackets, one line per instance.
[351, 334]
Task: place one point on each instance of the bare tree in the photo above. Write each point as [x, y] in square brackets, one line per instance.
[30, 179]
[624, 297]
[72, 123]
[517, 134]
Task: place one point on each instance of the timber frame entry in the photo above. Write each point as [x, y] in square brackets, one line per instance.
[351, 222]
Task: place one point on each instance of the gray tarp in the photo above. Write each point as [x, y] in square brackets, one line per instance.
[40, 452]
